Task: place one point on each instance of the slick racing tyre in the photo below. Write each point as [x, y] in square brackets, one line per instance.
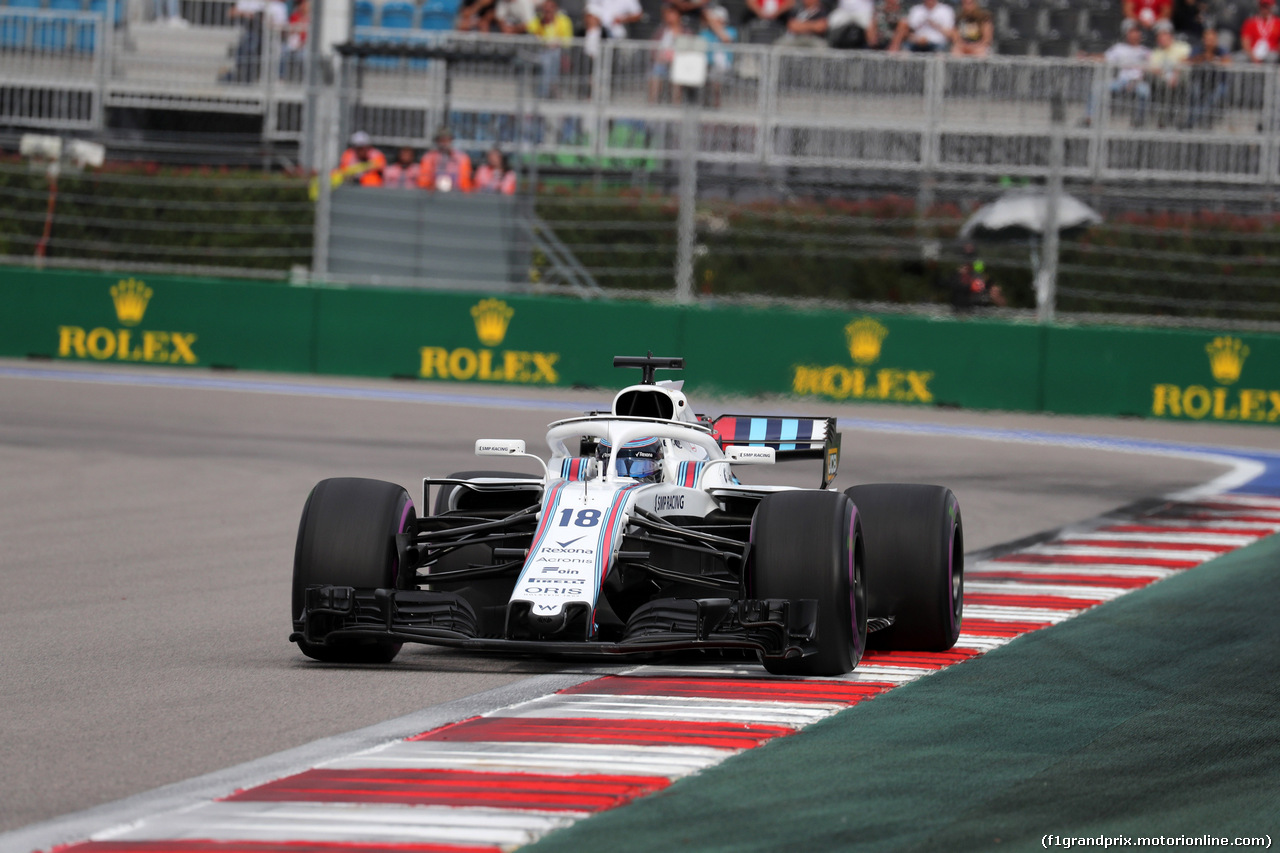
[468, 499]
[915, 564]
[347, 538]
[808, 544]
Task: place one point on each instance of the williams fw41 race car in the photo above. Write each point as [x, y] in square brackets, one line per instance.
[637, 538]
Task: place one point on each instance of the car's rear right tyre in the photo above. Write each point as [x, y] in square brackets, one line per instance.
[808, 544]
[347, 537]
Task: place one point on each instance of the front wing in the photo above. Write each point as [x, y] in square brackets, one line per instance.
[776, 628]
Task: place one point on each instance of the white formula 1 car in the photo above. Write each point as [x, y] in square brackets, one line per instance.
[636, 538]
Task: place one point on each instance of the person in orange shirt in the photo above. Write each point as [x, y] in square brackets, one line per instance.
[444, 169]
[362, 163]
[493, 176]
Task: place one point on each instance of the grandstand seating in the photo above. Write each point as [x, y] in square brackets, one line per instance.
[53, 33]
[397, 15]
[438, 15]
[362, 13]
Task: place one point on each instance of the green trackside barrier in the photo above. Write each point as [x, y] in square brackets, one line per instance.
[150, 319]
[1182, 374]
[481, 339]
[553, 341]
[848, 356]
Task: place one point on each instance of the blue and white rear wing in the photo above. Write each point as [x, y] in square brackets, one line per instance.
[792, 438]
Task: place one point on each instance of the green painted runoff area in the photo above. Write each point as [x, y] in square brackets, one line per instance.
[1154, 714]
[813, 356]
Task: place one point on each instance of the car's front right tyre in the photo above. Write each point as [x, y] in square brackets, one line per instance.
[808, 544]
[347, 537]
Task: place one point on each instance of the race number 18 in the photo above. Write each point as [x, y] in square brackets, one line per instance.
[585, 518]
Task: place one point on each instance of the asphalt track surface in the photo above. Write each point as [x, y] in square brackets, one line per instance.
[146, 536]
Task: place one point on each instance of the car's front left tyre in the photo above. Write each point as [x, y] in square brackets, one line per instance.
[347, 537]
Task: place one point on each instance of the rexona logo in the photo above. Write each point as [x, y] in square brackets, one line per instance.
[1227, 356]
[485, 363]
[865, 336]
[131, 298]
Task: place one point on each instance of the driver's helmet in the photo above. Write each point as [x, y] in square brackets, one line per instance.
[639, 459]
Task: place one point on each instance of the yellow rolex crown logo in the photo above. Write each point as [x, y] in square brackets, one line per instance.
[865, 337]
[492, 317]
[1226, 358]
[131, 297]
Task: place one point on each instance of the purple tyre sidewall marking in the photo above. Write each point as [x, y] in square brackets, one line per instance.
[853, 593]
[395, 557]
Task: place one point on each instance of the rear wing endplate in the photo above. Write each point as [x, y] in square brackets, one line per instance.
[792, 438]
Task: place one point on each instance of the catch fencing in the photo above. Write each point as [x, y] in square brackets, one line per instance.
[763, 105]
[1184, 170]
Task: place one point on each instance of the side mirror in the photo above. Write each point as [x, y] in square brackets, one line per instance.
[499, 447]
[746, 455]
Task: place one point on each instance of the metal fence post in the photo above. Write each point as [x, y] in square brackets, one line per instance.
[1047, 275]
[1099, 118]
[326, 149]
[931, 137]
[601, 79]
[269, 56]
[106, 51]
[1267, 150]
[768, 101]
[310, 127]
[686, 224]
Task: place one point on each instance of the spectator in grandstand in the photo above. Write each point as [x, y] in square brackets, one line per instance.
[493, 176]
[671, 28]
[444, 168]
[1208, 83]
[1260, 35]
[1147, 12]
[926, 28]
[767, 19]
[974, 30]
[167, 11]
[292, 60]
[361, 163]
[555, 29]
[1168, 60]
[1129, 57]
[716, 32]
[807, 27]
[403, 173]
[690, 11]
[1188, 18]
[887, 19]
[476, 17]
[512, 17]
[1166, 69]
[852, 24]
[258, 19]
[608, 18]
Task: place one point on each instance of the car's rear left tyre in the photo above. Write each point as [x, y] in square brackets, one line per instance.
[915, 563]
[347, 538]
[808, 544]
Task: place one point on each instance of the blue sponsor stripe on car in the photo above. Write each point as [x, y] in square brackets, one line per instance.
[790, 429]
[759, 429]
